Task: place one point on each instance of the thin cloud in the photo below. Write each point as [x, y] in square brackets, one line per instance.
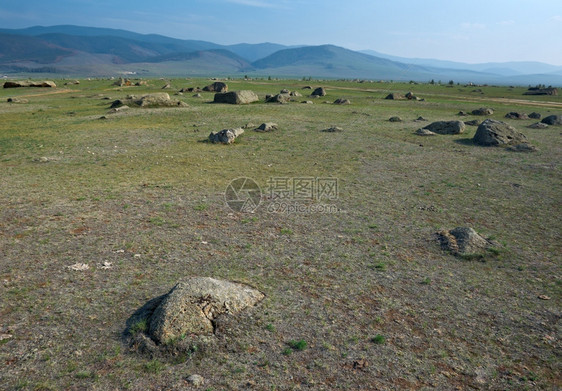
[506, 22]
[473, 26]
[556, 18]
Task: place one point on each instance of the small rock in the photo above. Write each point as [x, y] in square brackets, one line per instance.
[516, 115]
[342, 101]
[333, 129]
[446, 127]
[424, 132]
[395, 119]
[474, 122]
[538, 125]
[267, 127]
[195, 380]
[535, 115]
[320, 91]
[483, 111]
[552, 120]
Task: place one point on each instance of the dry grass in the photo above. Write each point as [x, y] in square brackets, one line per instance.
[368, 295]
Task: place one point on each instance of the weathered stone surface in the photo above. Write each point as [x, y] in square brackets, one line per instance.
[217, 86]
[295, 94]
[395, 96]
[333, 129]
[267, 127]
[342, 101]
[194, 303]
[320, 91]
[538, 125]
[395, 119]
[483, 111]
[535, 115]
[524, 147]
[225, 136]
[446, 127]
[279, 98]
[236, 97]
[495, 133]
[424, 132]
[158, 99]
[552, 120]
[122, 82]
[28, 83]
[463, 241]
[474, 122]
[516, 115]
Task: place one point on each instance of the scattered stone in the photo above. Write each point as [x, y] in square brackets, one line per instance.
[279, 98]
[483, 111]
[462, 113]
[75, 82]
[308, 102]
[121, 82]
[474, 122]
[195, 380]
[516, 115]
[332, 129]
[538, 125]
[236, 97]
[225, 136]
[395, 96]
[159, 99]
[541, 91]
[420, 119]
[395, 119]
[523, 147]
[79, 267]
[167, 86]
[552, 120]
[424, 132]
[141, 83]
[342, 101]
[535, 115]
[267, 127]
[410, 96]
[307, 88]
[496, 133]
[197, 96]
[118, 109]
[217, 86]
[320, 91]
[446, 127]
[17, 100]
[28, 83]
[464, 241]
[192, 306]
[284, 91]
[295, 94]
[249, 125]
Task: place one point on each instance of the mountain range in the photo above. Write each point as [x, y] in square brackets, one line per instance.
[67, 50]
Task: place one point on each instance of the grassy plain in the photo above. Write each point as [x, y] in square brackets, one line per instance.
[361, 298]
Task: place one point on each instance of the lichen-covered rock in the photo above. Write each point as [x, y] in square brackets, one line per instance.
[497, 133]
[267, 127]
[236, 97]
[194, 303]
[446, 127]
[225, 136]
[463, 241]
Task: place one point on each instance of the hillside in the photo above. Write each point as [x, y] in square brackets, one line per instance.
[100, 52]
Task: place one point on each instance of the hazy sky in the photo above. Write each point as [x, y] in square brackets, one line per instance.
[468, 31]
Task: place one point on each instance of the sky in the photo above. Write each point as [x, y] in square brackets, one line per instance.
[473, 31]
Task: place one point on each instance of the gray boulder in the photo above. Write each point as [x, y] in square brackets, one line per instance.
[395, 96]
[217, 86]
[497, 133]
[333, 129]
[225, 136]
[236, 97]
[192, 306]
[342, 101]
[395, 119]
[424, 132]
[483, 111]
[267, 127]
[446, 127]
[29, 83]
[279, 98]
[320, 91]
[535, 115]
[516, 115]
[552, 120]
[538, 125]
[474, 122]
[463, 241]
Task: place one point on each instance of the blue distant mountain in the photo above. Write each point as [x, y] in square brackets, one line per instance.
[90, 51]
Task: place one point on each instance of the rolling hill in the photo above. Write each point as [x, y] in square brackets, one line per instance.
[98, 52]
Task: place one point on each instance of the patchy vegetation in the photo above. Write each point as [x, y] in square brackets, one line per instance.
[105, 210]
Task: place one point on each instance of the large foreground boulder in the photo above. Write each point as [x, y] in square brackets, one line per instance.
[464, 241]
[446, 127]
[192, 306]
[225, 136]
[217, 86]
[552, 120]
[28, 83]
[497, 133]
[236, 97]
